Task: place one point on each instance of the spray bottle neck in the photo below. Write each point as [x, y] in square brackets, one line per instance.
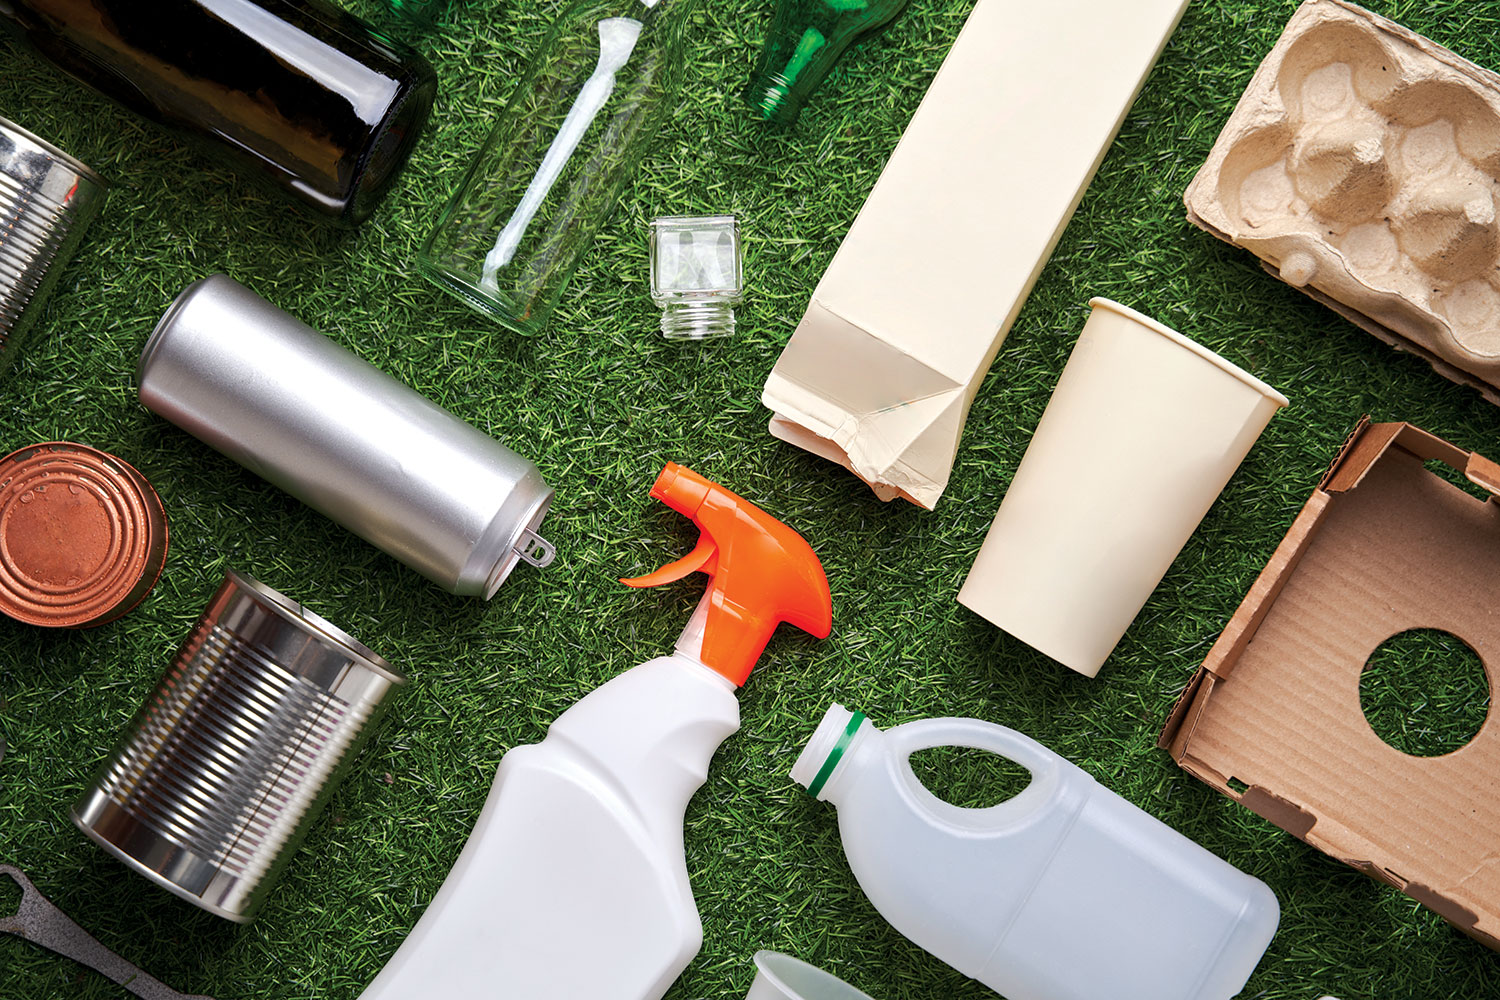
[690, 642]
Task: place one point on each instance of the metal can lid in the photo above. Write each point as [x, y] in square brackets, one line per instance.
[83, 536]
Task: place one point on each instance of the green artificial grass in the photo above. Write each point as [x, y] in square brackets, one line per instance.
[600, 402]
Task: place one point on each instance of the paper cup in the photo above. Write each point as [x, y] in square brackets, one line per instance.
[782, 977]
[1141, 435]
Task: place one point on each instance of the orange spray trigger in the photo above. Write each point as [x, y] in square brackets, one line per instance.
[762, 573]
[700, 558]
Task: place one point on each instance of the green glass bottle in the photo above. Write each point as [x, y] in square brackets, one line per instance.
[422, 12]
[806, 38]
[577, 124]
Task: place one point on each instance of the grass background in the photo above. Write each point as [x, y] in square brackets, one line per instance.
[600, 402]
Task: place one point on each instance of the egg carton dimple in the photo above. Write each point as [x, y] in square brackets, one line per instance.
[1362, 165]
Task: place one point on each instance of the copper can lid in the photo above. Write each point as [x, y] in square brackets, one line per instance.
[82, 536]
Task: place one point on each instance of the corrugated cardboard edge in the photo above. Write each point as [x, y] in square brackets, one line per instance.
[1226, 650]
[1482, 77]
[918, 471]
[1364, 446]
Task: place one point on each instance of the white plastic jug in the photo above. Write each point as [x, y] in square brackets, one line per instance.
[1063, 892]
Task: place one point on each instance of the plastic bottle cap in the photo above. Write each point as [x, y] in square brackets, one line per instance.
[828, 747]
[83, 536]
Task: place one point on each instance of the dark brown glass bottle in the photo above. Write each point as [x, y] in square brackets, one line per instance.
[296, 92]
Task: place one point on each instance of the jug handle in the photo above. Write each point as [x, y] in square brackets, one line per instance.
[1044, 766]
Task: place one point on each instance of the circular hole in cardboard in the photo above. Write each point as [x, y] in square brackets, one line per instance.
[969, 778]
[1424, 692]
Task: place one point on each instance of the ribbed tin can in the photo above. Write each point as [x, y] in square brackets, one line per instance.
[239, 746]
[83, 537]
[46, 201]
[345, 438]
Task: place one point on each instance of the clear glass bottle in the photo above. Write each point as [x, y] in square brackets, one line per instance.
[697, 275]
[576, 126]
[805, 40]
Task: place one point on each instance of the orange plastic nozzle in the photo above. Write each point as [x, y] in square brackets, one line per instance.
[762, 572]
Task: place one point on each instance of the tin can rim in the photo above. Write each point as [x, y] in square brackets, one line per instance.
[71, 162]
[300, 615]
[143, 869]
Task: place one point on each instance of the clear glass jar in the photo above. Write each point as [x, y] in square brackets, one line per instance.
[697, 275]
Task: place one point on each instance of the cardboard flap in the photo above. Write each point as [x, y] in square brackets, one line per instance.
[1364, 445]
[1483, 473]
[1178, 729]
[1369, 442]
[1288, 815]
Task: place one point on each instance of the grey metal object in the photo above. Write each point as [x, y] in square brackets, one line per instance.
[39, 921]
[345, 438]
[232, 755]
[46, 201]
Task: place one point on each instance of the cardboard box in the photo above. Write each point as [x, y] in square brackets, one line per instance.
[881, 371]
[1359, 166]
[1273, 717]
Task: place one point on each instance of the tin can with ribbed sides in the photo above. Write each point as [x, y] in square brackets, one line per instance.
[83, 537]
[343, 437]
[237, 749]
[47, 199]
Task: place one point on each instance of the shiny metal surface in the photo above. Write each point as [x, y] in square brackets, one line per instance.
[235, 751]
[345, 438]
[46, 201]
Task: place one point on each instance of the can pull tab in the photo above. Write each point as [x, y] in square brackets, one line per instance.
[535, 549]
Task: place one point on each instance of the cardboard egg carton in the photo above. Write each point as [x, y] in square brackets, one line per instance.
[1362, 165]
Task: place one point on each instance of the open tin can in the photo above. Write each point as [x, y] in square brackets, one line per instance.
[83, 537]
[237, 749]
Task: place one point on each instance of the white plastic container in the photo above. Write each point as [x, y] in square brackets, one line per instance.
[574, 883]
[782, 977]
[1140, 437]
[1063, 892]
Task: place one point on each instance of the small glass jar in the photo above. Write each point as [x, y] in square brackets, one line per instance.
[697, 275]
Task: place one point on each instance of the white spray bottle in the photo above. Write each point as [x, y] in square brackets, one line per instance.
[574, 883]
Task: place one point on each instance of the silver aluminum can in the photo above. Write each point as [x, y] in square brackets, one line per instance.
[239, 746]
[343, 437]
[47, 199]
